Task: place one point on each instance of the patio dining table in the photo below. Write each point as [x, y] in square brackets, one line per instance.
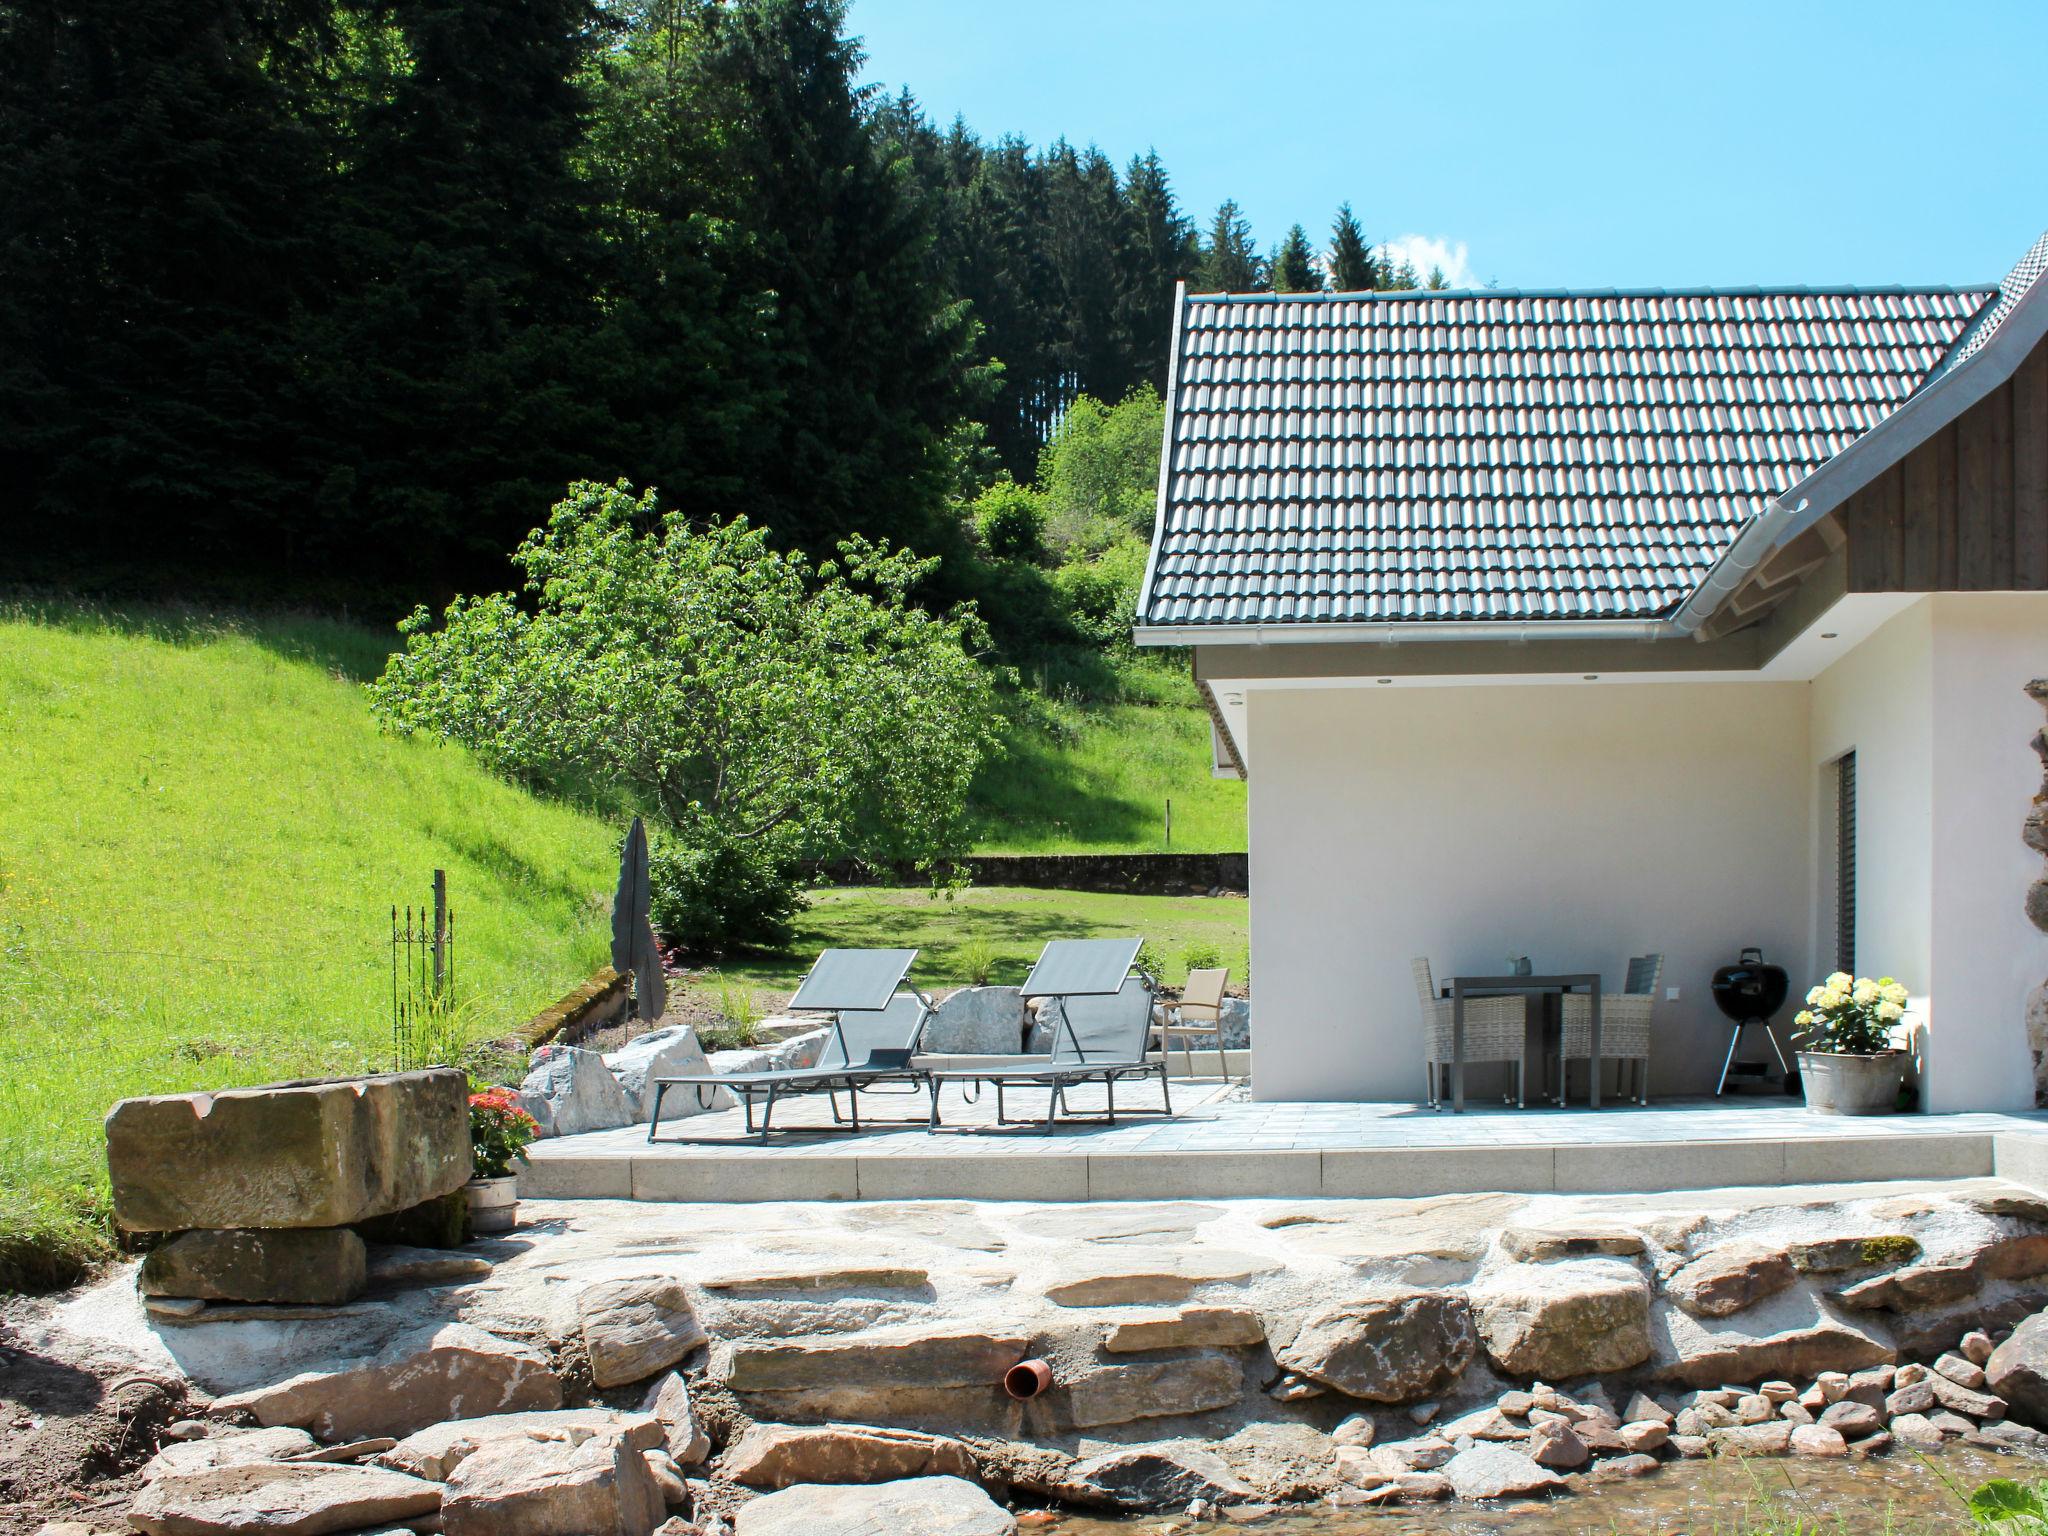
[1463, 987]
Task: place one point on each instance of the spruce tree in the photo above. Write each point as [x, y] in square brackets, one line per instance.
[1294, 265]
[872, 360]
[1352, 268]
[1159, 251]
[1230, 261]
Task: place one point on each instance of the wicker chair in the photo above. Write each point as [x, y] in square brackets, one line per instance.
[1624, 1026]
[1496, 1029]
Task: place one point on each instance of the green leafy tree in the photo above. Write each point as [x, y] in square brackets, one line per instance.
[1352, 268]
[1294, 265]
[765, 709]
[1230, 261]
[1099, 473]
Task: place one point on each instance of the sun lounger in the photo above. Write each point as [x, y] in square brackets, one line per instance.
[874, 1033]
[1101, 1016]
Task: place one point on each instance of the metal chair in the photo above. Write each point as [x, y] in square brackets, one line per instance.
[1199, 1013]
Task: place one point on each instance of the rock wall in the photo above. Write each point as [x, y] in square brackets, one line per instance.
[1130, 874]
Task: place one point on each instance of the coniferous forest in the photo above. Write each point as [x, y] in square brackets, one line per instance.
[344, 292]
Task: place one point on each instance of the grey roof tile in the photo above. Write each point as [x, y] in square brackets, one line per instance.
[1502, 455]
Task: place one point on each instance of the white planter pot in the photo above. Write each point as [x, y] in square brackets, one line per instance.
[1852, 1085]
[493, 1203]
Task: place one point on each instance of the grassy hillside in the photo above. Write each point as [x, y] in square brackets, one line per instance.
[204, 833]
[1086, 775]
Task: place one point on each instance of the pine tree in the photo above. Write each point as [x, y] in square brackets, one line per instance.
[1230, 261]
[1352, 268]
[1294, 265]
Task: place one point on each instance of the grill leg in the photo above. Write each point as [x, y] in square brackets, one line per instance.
[1734, 1039]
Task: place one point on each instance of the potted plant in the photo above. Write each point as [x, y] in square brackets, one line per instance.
[1847, 1061]
[499, 1131]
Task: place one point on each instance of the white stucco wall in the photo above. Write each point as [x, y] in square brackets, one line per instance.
[1933, 706]
[1577, 824]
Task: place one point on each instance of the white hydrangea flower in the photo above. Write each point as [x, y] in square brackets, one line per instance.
[1890, 1013]
[1864, 993]
[1840, 981]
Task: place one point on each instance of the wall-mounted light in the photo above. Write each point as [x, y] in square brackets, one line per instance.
[1590, 677]
[1830, 634]
[1383, 679]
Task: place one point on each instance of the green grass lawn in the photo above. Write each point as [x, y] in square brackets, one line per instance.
[1000, 924]
[203, 837]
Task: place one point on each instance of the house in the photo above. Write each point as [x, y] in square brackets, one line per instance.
[1582, 624]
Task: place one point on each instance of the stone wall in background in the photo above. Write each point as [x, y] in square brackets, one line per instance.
[1129, 874]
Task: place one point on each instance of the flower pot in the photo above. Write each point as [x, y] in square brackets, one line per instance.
[1852, 1085]
[493, 1203]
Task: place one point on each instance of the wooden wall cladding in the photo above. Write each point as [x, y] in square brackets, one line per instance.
[1966, 511]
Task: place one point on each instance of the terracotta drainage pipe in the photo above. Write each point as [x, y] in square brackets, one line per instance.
[1026, 1379]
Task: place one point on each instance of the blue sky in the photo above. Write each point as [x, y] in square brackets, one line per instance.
[1559, 144]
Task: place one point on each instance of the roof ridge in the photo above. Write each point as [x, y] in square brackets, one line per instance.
[1745, 291]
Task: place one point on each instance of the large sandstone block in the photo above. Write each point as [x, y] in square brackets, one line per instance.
[459, 1372]
[2018, 1371]
[436, 1451]
[880, 1357]
[1396, 1348]
[302, 1499]
[295, 1155]
[1731, 1276]
[1151, 1477]
[1120, 1394]
[601, 1486]
[1562, 1320]
[311, 1266]
[926, 1506]
[635, 1327]
[1791, 1334]
[783, 1455]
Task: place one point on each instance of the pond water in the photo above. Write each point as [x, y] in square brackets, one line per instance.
[1897, 1495]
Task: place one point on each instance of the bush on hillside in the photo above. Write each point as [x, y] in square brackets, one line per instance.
[1011, 521]
[763, 710]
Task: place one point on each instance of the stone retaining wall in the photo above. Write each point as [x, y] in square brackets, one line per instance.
[1128, 874]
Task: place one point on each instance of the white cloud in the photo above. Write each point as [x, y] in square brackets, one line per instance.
[1427, 251]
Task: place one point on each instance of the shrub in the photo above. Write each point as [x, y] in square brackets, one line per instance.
[718, 896]
[1200, 957]
[1011, 521]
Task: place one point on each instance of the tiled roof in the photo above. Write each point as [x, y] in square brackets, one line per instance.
[1369, 458]
[2014, 287]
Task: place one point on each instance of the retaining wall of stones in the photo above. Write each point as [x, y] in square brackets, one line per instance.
[1129, 874]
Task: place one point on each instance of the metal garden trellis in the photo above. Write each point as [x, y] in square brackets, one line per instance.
[422, 967]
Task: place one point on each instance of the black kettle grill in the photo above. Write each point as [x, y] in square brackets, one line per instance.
[1751, 992]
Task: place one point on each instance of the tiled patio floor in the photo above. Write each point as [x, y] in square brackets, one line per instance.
[1215, 1147]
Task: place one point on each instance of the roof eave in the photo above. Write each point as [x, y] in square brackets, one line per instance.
[1506, 631]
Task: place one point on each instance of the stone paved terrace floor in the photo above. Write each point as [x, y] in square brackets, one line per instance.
[1214, 1147]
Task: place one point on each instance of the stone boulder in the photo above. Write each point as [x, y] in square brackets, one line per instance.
[1731, 1276]
[235, 1448]
[1570, 1240]
[1400, 1347]
[669, 1401]
[1793, 1333]
[435, 1452]
[783, 1455]
[669, 1052]
[1832, 1255]
[976, 1021]
[457, 1372]
[570, 1091]
[2018, 1371]
[1492, 1471]
[298, 1155]
[1120, 1394]
[1235, 1017]
[601, 1486]
[1151, 1477]
[311, 1266]
[798, 1052]
[298, 1499]
[635, 1327]
[1561, 1320]
[928, 1506]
